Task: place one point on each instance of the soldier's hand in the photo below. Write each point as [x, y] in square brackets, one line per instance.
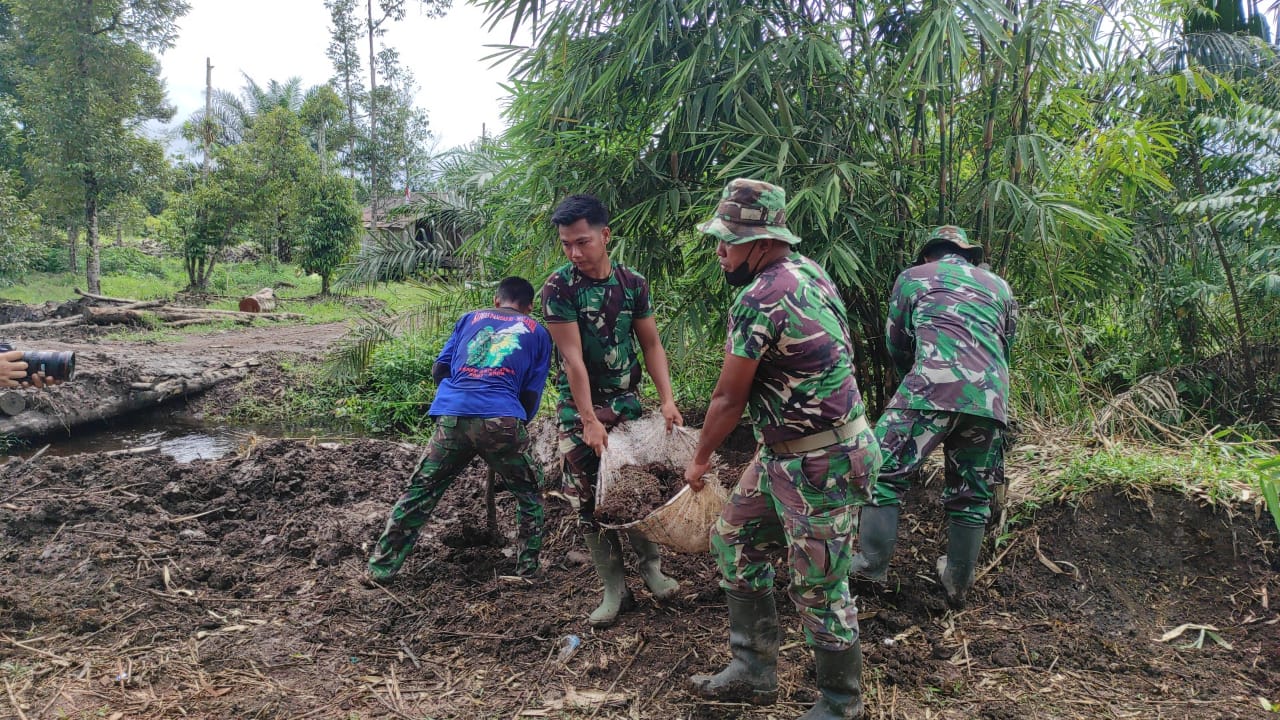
[672, 414]
[595, 436]
[693, 474]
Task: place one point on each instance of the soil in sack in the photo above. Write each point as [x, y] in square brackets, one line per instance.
[637, 491]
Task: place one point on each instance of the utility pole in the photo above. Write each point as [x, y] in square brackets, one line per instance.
[208, 115]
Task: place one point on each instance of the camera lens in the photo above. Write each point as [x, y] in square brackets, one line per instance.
[59, 366]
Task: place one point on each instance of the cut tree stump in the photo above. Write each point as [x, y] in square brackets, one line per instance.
[12, 403]
[262, 301]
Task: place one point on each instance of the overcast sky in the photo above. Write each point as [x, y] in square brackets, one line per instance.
[280, 39]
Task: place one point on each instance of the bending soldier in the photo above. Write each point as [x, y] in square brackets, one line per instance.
[597, 310]
[950, 329]
[491, 375]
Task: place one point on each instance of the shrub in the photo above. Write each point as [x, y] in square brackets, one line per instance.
[130, 261]
[399, 384]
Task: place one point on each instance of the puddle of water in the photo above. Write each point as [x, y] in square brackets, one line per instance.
[178, 435]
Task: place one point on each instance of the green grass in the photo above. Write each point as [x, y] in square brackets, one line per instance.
[1212, 470]
[229, 282]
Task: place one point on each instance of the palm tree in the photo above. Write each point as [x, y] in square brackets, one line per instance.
[233, 115]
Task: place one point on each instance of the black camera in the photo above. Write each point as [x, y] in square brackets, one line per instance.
[59, 366]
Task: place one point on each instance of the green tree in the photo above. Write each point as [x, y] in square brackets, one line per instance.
[88, 83]
[387, 10]
[280, 166]
[211, 214]
[331, 228]
[344, 52]
[322, 114]
[17, 231]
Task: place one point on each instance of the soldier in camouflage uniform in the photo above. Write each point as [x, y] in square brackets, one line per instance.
[491, 374]
[597, 311]
[949, 332]
[789, 363]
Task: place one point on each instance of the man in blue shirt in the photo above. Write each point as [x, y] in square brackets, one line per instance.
[491, 374]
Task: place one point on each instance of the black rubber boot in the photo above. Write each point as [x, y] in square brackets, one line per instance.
[877, 536]
[955, 569]
[840, 682]
[606, 554]
[649, 563]
[752, 673]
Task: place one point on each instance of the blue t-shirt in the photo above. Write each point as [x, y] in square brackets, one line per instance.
[493, 356]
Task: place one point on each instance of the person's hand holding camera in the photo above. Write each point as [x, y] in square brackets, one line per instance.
[13, 372]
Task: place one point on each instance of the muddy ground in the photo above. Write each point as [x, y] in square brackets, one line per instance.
[139, 587]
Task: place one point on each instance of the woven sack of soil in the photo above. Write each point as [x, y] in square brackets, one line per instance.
[643, 467]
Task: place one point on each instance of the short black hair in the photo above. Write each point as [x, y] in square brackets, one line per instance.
[576, 207]
[516, 289]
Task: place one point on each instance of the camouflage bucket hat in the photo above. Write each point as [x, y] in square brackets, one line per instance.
[750, 210]
[951, 235]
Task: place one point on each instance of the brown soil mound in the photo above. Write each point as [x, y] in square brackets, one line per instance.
[638, 491]
[142, 588]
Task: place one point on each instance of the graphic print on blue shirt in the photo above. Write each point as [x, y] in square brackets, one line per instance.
[493, 356]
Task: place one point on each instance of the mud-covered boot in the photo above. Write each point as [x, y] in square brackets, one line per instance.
[877, 536]
[606, 554]
[955, 569]
[649, 563]
[752, 673]
[840, 682]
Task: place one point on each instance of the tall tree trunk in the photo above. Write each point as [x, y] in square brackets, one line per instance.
[373, 122]
[119, 233]
[93, 262]
[73, 240]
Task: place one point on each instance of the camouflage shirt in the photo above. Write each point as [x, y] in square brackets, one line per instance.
[604, 311]
[949, 331]
[791, 319]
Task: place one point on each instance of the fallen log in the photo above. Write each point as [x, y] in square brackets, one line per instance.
[59, 322]
[232, 313]
[262, 301]
[105, 298]
[112, 316]
[38, 422]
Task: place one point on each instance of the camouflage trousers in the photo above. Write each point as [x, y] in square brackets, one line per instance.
[503, 443]
[803, 502]
[974, 448]
[581, 463]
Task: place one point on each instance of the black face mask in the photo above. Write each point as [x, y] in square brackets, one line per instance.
[741, 275]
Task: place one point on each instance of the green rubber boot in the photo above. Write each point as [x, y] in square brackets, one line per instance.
[649, 563]
[955, 569]
[840, 682]
[877, 536]
[606, 554]
[752, 673]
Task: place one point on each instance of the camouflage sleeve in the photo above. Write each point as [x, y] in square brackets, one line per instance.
[899, 335]
[750, 332]
[450, 345]
[557, 301]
